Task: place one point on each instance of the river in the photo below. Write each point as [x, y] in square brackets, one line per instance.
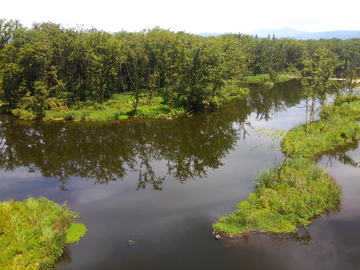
[149, 191]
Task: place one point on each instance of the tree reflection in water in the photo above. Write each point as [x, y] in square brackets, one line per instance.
[341, 154]
[110, 151]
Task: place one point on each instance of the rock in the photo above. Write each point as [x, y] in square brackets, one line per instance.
[218, 237]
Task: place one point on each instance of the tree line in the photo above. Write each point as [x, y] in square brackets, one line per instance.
[49, 65]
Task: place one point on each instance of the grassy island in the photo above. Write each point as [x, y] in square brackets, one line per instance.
[284, 198]
[34, 233]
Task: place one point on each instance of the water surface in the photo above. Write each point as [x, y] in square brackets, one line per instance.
[162, 184]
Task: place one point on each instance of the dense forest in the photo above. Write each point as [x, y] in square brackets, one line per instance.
[51, 67]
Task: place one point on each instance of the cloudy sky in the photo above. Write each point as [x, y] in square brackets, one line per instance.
[192, 16]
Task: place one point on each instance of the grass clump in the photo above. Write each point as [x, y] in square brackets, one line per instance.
[347, 109]
[75, 232]
[34, 233]
[283, 199]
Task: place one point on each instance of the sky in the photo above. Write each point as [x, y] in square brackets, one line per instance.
[192, 16]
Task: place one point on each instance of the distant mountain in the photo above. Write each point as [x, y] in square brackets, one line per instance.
[279, 33]
[292, 33]
[341, 34]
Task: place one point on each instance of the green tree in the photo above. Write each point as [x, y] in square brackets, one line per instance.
[274, 57]
[136, 64]
[316, 74]
[7, 30]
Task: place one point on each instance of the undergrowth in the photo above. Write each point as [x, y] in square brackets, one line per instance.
[120, 106]
[34, 233]
[283, 199]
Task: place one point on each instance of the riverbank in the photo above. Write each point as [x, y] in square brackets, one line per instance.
[264, 79]
[34, 233]
[120, 106]
[332, 79]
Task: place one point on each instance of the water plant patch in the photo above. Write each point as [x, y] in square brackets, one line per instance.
[35, 232]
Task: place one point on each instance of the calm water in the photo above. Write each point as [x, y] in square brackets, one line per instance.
[162, 184]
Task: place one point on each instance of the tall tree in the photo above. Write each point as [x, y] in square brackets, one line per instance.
[316, 76]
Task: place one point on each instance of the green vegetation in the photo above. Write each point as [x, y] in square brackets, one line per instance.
[283, 200]
[264, 79]
[75, 232]
[292, 194]
[34, 233]
[321, 136]
[53, 72]
[339, 128]
[51, 68]
[316, 74]
[119, 107]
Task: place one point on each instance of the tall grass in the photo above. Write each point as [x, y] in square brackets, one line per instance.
[283, 200]
[34, 233]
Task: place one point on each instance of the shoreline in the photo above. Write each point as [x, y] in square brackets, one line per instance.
[107, 113]
[288, 196]
[332, 79]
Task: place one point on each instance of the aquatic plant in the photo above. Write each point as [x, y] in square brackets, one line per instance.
[34, 233]
[75, 232]
[283, 201]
